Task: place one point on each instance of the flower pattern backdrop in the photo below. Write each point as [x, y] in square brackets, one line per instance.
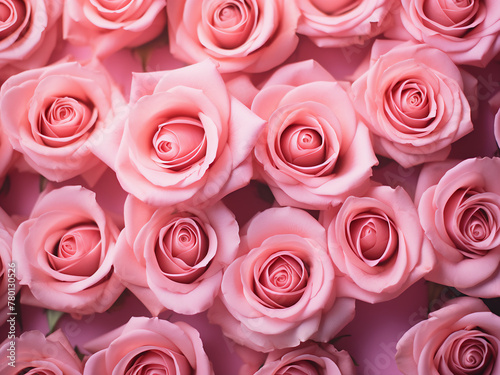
[249, 186]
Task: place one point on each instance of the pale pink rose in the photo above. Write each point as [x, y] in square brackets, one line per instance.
[173, 259]
[108, 26]
[186, 138]
[343, 23]
[149, 346]
[460, 212]
[282, 291]
[250, 36]
[377, 244]
[33, 353]
[314, 150]
[412, 99]
[60, 118]
[65, 251]
[8, 269]
[28, 33]
[309, 358]
[463, 337]
[466, 30]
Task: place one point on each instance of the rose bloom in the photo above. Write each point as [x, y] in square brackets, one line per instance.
[459, 210]
[249, 36]
[377, 244]
[314, 150]
[463, 337]
[309, 358]
[60, 116]
[33, 353]
[467, 31]
[343, 23]
[28, 34]
[173, 259]
[149, 346]
[186, 138]
[412, 99]
[282, 291]
[108, 26]
[7, 269]
[64, 253]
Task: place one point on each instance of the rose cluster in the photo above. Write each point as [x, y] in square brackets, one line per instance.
[148, 179]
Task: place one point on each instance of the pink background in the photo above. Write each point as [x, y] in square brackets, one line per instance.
[371, 337]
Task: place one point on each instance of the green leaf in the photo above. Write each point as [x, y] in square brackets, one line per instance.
[42, 183]
[265, 192]
[144, 54]
[79, 353]
[5, 186]
[354, 361]
[53, 317]
[336, 339]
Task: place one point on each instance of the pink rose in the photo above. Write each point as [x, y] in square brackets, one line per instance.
[186, 139]
[282, 291]
[463, 337]
[28, 34]
[33, 353]
[65, 251]
[314, 151]
[250, 36]
[377, 244]
[173, 259]
[412, 99]
[149, 346]
[309, 358]
[466, 30]
[8, 270]
[460, 212]
[343, 23]
[60, 116]
[108, 26]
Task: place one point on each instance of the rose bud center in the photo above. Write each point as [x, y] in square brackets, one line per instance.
[181, 246]
[64, 120]
[302, 146]
[179, 143]
[373, 238]
[12, 15]
[281, 281]
[78, 251]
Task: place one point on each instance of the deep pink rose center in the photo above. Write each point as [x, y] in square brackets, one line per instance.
[230, 22]
[182, 244]
[472, 221]
[12, 16]
[469, 351]
[63, 120]
[281, 280]
[78, 250]
[179, 143]
[336, 7]
[158, 362]
[302, 146]
[373, 237]
[408, 106]
[453, 17]
[303, 367]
